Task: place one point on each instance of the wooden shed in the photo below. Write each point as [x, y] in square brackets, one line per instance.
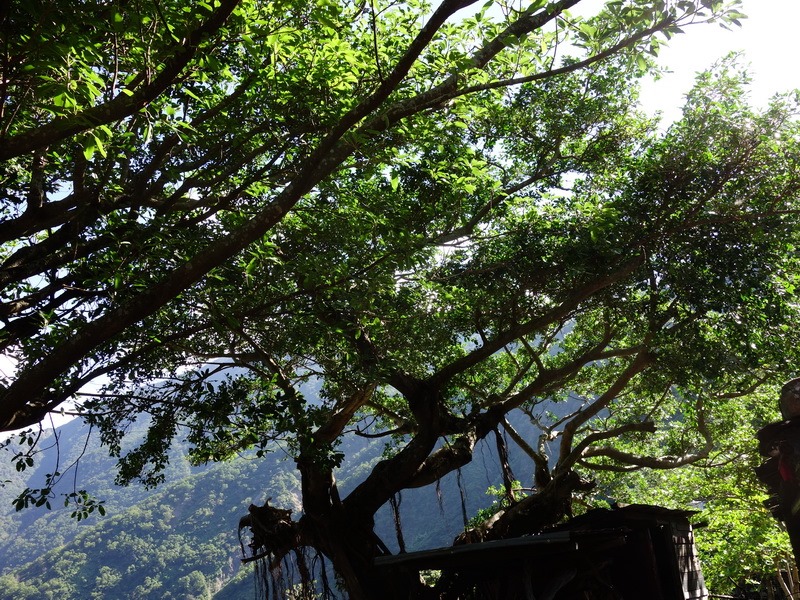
[634, 552]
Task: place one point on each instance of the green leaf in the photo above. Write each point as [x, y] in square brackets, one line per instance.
[99, 145]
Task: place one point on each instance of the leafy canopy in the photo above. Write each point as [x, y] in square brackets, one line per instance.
[147, 146]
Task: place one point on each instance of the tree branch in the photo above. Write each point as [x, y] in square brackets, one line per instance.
[636, 366]
[554, 315]
[578, 452]
[670, 462]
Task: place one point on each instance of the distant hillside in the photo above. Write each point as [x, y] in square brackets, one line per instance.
[180, 540]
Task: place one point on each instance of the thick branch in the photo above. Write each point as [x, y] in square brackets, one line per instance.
[459, 453]
[636, 366]
[580, 449]
[393, 79]
[395, 473]
[539, 460]
[669, 462]
[525, 24]
[554, 315]
[344, 412]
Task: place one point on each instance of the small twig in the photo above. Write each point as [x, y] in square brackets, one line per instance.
[373, 25]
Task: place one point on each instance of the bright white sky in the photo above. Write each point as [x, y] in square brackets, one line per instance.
[769, 37]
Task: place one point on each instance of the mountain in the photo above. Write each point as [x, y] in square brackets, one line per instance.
[180, 539]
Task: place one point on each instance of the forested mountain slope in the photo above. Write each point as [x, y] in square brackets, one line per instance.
[180, 540]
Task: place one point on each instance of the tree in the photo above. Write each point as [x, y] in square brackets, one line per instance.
[436, 219]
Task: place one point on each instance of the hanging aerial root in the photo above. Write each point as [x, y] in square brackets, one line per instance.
[394, 502]
[283, 566]
[273, 533]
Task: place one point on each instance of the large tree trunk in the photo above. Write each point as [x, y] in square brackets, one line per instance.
[343, 529]
[349, 542]
[325, 527]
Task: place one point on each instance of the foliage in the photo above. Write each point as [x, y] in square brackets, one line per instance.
[143, 157]
[501, 495]
[738, 539]
[436, 220]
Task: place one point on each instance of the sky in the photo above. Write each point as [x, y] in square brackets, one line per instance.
[769, 38]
